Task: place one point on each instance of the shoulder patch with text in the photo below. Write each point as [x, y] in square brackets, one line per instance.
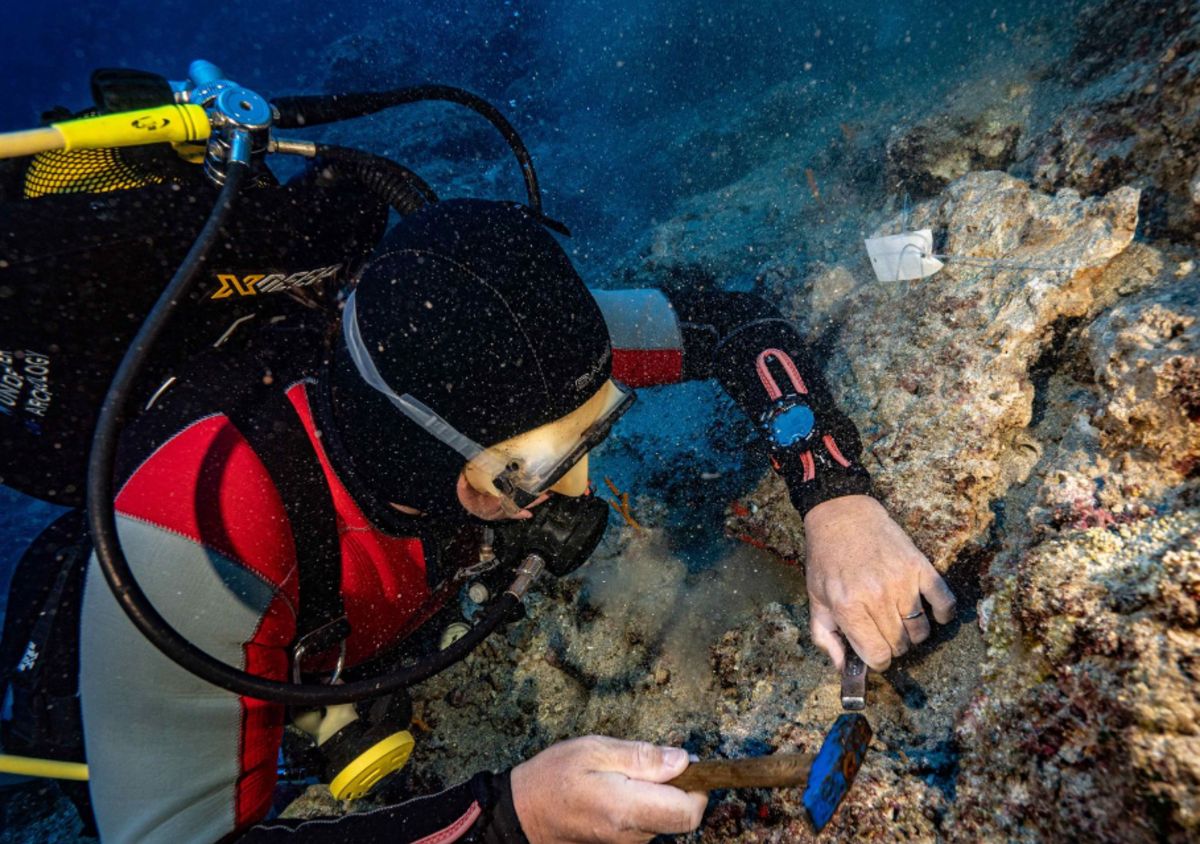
[251, 285]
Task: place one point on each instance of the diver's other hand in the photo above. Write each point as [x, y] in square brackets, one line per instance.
[864, 576]
[603, 789]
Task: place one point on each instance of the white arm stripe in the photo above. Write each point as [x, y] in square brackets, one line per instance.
[640, 320]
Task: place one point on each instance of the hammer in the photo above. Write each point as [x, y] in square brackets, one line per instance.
[825, 777]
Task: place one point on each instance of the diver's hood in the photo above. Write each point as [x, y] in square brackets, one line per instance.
[473, 309]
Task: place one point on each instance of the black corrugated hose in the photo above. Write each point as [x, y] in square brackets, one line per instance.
[394, 183]
[312, 110]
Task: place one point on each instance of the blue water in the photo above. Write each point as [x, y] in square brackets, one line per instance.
[600, 90]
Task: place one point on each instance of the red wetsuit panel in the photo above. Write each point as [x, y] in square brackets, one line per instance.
[383, 576]
[647, 367]
[207, 484]
[262, 722]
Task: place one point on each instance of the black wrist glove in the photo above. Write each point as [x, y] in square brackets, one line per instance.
[758, 358]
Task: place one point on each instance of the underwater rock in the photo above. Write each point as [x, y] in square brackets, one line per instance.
[1084, 726]
[1146, 355]
[757, 668]
[1134, 120]
[923, 159]
[936, 373]
[1095, 387]
[316, 801]
[1076, 629]
[766, 519]
[1091, 642]
[778, 694]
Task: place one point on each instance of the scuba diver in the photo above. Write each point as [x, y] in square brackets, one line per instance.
[451, 404]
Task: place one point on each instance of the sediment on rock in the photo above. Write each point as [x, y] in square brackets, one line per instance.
[1084, 724]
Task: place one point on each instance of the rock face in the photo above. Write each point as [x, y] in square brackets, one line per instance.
[1146, 355]
[1085, 723]
[1136, 74]
[1051, 436]
[1090, 682]
[1119, 109]
[948, 382]
[925, 158]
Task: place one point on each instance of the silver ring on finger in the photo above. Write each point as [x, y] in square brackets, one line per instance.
[914, 614]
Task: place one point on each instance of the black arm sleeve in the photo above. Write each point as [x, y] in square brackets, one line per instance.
[479, 811]
[761, 361]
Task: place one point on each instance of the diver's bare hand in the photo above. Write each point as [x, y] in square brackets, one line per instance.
[603, 789]
[864, 576]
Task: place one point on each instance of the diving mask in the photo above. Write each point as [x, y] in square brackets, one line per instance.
[553, 457]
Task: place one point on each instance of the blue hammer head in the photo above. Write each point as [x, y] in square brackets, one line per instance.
[834, 767]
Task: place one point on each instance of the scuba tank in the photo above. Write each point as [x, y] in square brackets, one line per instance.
[86, 249]
[123, 188]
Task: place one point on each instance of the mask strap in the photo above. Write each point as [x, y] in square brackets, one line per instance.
[413, 408]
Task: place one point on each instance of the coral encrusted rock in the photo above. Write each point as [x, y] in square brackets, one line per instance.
[1146, 354]
[1135, 119]
[1085, 724]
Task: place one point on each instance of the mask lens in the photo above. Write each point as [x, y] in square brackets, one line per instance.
[535, 461]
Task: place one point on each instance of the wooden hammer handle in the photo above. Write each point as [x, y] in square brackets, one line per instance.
[780, 770]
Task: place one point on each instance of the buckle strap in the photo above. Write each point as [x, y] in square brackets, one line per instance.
[273, 428]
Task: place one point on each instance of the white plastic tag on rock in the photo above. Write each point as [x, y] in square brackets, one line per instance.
[904, 256]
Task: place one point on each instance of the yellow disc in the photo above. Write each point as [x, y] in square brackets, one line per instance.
[372, 765]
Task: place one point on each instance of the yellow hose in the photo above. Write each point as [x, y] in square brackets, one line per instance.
[30, 142]
[48, 768]
[169, 123]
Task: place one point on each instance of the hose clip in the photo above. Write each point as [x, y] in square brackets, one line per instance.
[316, 641]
